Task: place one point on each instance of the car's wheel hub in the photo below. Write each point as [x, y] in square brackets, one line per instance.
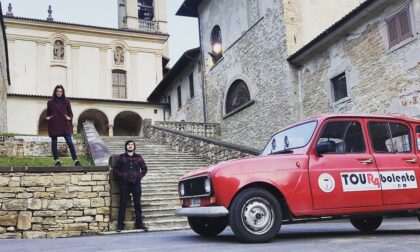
[257, 215]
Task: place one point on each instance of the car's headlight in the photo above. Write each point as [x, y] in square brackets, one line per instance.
[207, 185]
[182, 189]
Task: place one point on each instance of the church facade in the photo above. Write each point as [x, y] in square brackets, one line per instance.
[107, 73]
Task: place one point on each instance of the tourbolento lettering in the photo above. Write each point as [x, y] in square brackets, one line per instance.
[387, 180]
[361, 178]
[396, 178]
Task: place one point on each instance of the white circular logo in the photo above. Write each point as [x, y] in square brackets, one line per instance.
[326, 182]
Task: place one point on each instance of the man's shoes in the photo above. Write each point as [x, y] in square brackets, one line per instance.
[141, 226]
[58, 163]
[77, 163]
[119, 228]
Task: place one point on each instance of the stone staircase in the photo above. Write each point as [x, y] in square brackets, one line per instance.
[159, 187]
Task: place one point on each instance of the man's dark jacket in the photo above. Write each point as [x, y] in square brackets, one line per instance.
[130, 169]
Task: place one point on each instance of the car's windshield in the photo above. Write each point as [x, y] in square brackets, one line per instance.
[291, 138]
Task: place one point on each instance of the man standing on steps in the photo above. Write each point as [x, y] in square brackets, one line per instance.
[129, 170]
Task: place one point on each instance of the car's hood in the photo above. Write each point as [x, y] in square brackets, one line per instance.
[248, 163]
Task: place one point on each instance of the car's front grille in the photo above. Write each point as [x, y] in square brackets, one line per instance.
[194, 187]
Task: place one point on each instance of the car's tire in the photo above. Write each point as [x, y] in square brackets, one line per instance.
[255, 215]
[367, 224]
[207, 226]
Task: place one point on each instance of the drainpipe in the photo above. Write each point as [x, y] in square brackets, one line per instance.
[203, 69]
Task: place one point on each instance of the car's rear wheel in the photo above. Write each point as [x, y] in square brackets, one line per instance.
[255, 215]
[207, 226]
[367, 224]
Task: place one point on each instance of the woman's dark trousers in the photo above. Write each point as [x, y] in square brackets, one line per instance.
[69, 143]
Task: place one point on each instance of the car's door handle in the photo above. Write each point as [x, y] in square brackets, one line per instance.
[366, 161]
[412, 161]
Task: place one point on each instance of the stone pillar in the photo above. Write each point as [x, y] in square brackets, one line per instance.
[111, 130]
[132, 14]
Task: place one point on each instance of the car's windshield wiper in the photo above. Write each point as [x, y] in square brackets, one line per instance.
[281, 152]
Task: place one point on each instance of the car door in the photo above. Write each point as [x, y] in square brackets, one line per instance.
[393, 149]
[417, 136]
[346, 176]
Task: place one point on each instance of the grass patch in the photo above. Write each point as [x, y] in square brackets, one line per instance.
[40, 161]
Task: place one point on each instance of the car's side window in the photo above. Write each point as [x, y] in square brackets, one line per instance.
[418, 137]
[390, 137]
[346, 136]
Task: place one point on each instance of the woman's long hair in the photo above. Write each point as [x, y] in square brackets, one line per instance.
[55, 89]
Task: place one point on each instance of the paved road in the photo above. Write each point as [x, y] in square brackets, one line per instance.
[393, 235]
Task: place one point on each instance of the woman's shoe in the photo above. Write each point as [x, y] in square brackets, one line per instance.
[58, 163]
[77, 163]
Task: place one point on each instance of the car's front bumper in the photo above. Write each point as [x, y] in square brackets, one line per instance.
[211, 211]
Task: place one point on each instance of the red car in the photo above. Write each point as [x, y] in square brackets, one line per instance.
[360, 167]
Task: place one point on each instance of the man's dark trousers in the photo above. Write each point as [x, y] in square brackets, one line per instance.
[125, 190]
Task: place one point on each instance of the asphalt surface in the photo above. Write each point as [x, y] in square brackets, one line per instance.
[400, 234]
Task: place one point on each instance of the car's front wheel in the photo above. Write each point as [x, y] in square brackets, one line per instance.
[367, 224]
[207, 226]
[255, 215]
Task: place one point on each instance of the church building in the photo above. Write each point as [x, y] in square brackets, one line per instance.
[107, 73]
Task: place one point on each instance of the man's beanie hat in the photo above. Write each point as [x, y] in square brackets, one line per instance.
[129, 141]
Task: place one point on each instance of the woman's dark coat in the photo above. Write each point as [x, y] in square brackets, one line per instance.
[58, 125]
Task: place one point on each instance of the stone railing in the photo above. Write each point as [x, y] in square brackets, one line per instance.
[148, 25]
[54, 202]
[98, 150]
[200, 129]
[212, 150]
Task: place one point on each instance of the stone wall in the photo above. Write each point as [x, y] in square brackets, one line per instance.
[20, 147]
[51, 202]
[379, 79]
[212, 150]
[258, 57]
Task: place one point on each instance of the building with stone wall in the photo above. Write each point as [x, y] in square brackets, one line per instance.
[181, 89]
[4, 74]
[244, 46]
[107, 73]
[369, 62]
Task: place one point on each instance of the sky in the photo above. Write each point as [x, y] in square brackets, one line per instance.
[183, 31]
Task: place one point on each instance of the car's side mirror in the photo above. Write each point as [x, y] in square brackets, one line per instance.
[325, 147]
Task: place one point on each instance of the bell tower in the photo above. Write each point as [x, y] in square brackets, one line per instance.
[143, 15]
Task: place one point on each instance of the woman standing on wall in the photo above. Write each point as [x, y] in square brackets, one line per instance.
[59, 117]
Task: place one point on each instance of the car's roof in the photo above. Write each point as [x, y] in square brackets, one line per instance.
[374, 116]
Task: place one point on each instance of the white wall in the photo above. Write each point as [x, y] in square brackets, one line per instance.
[89, 73]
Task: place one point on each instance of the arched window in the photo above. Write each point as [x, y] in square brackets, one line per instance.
[216, 43]
[237, 95]
[58, 50]
[119, 84]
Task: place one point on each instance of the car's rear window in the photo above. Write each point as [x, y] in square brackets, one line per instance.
[390, 137]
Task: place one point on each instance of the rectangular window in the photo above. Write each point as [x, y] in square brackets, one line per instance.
[418, 137]
[346, 136]
[191, 79]
[339, 85]
[119, 85]
[390, 137]
[178, 90]
[399, 27]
